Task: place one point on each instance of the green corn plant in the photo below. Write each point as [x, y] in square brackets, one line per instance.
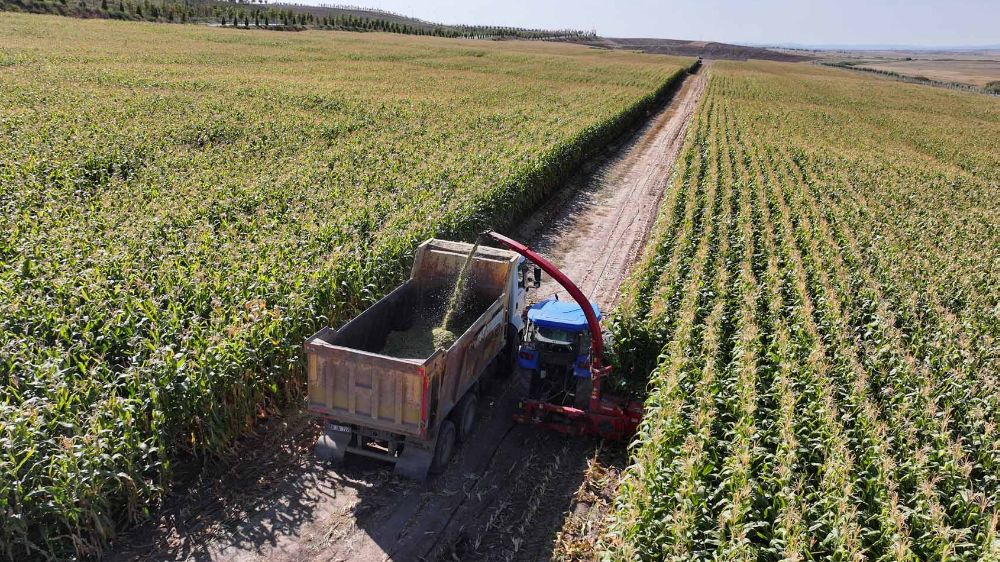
[177, 216]
[858, 417]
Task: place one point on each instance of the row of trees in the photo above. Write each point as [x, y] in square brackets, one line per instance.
[990, 88]
[167, 11]
[239, 16]
[259, 13]
[155, 11]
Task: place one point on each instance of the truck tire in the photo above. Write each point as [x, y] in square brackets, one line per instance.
[444, 447]
[465, 416]
[491, 383]
[509, 363]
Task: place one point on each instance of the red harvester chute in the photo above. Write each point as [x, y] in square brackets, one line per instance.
[606, 416]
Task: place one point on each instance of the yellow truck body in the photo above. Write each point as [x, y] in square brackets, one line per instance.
[391, 407]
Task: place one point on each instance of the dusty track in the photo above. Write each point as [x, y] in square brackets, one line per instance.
[507, 492]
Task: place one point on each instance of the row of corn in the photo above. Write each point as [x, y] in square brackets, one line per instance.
[818, 312]
[181, 206]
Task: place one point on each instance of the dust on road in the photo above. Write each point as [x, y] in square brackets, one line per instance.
[507, 491]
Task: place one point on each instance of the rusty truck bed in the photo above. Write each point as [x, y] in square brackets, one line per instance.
[353, 384]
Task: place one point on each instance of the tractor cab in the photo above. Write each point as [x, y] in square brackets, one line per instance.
[555, 353]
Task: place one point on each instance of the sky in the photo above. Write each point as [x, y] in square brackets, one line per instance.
[840, 22]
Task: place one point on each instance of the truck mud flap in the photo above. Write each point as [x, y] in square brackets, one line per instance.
[332, 446]
[414, 463]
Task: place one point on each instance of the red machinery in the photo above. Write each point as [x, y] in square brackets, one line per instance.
[607, 417]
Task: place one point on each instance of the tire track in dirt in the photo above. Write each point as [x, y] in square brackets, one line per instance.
[594, 236]
[506, 492]
[597, 235]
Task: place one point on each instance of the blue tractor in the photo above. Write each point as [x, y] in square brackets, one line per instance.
[555, 353]
[563, 352]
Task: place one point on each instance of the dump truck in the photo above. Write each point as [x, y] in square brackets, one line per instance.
[386, 389]
[410, 405]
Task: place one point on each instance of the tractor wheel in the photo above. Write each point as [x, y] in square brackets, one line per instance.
[535, 384]
[444, 447]
[581, 398]
[465, 416]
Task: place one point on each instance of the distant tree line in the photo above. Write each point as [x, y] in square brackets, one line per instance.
[351, 18]
[262, 14]
[992, 88]
[169, 11]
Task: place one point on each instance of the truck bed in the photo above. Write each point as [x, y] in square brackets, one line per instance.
[352, 382]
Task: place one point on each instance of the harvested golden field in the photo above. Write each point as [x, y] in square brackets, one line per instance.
[182, 205]
[818, 309]
[975, 72]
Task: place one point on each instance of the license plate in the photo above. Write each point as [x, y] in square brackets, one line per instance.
[340, 428]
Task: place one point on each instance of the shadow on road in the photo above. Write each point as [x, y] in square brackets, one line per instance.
[504, 495]
[260, 498]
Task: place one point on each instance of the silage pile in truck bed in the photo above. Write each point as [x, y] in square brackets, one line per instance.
[432, 328]
[418, 340]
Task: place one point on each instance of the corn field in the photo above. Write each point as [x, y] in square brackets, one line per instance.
[181, 206]
[818, 307]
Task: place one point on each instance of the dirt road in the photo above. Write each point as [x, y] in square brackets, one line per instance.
[506, 493]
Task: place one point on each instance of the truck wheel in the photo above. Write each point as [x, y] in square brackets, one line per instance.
[491, 383]
[444, 448]
[509, 363]
[465, 416]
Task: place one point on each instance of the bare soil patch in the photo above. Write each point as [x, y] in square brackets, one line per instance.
[685, 48]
